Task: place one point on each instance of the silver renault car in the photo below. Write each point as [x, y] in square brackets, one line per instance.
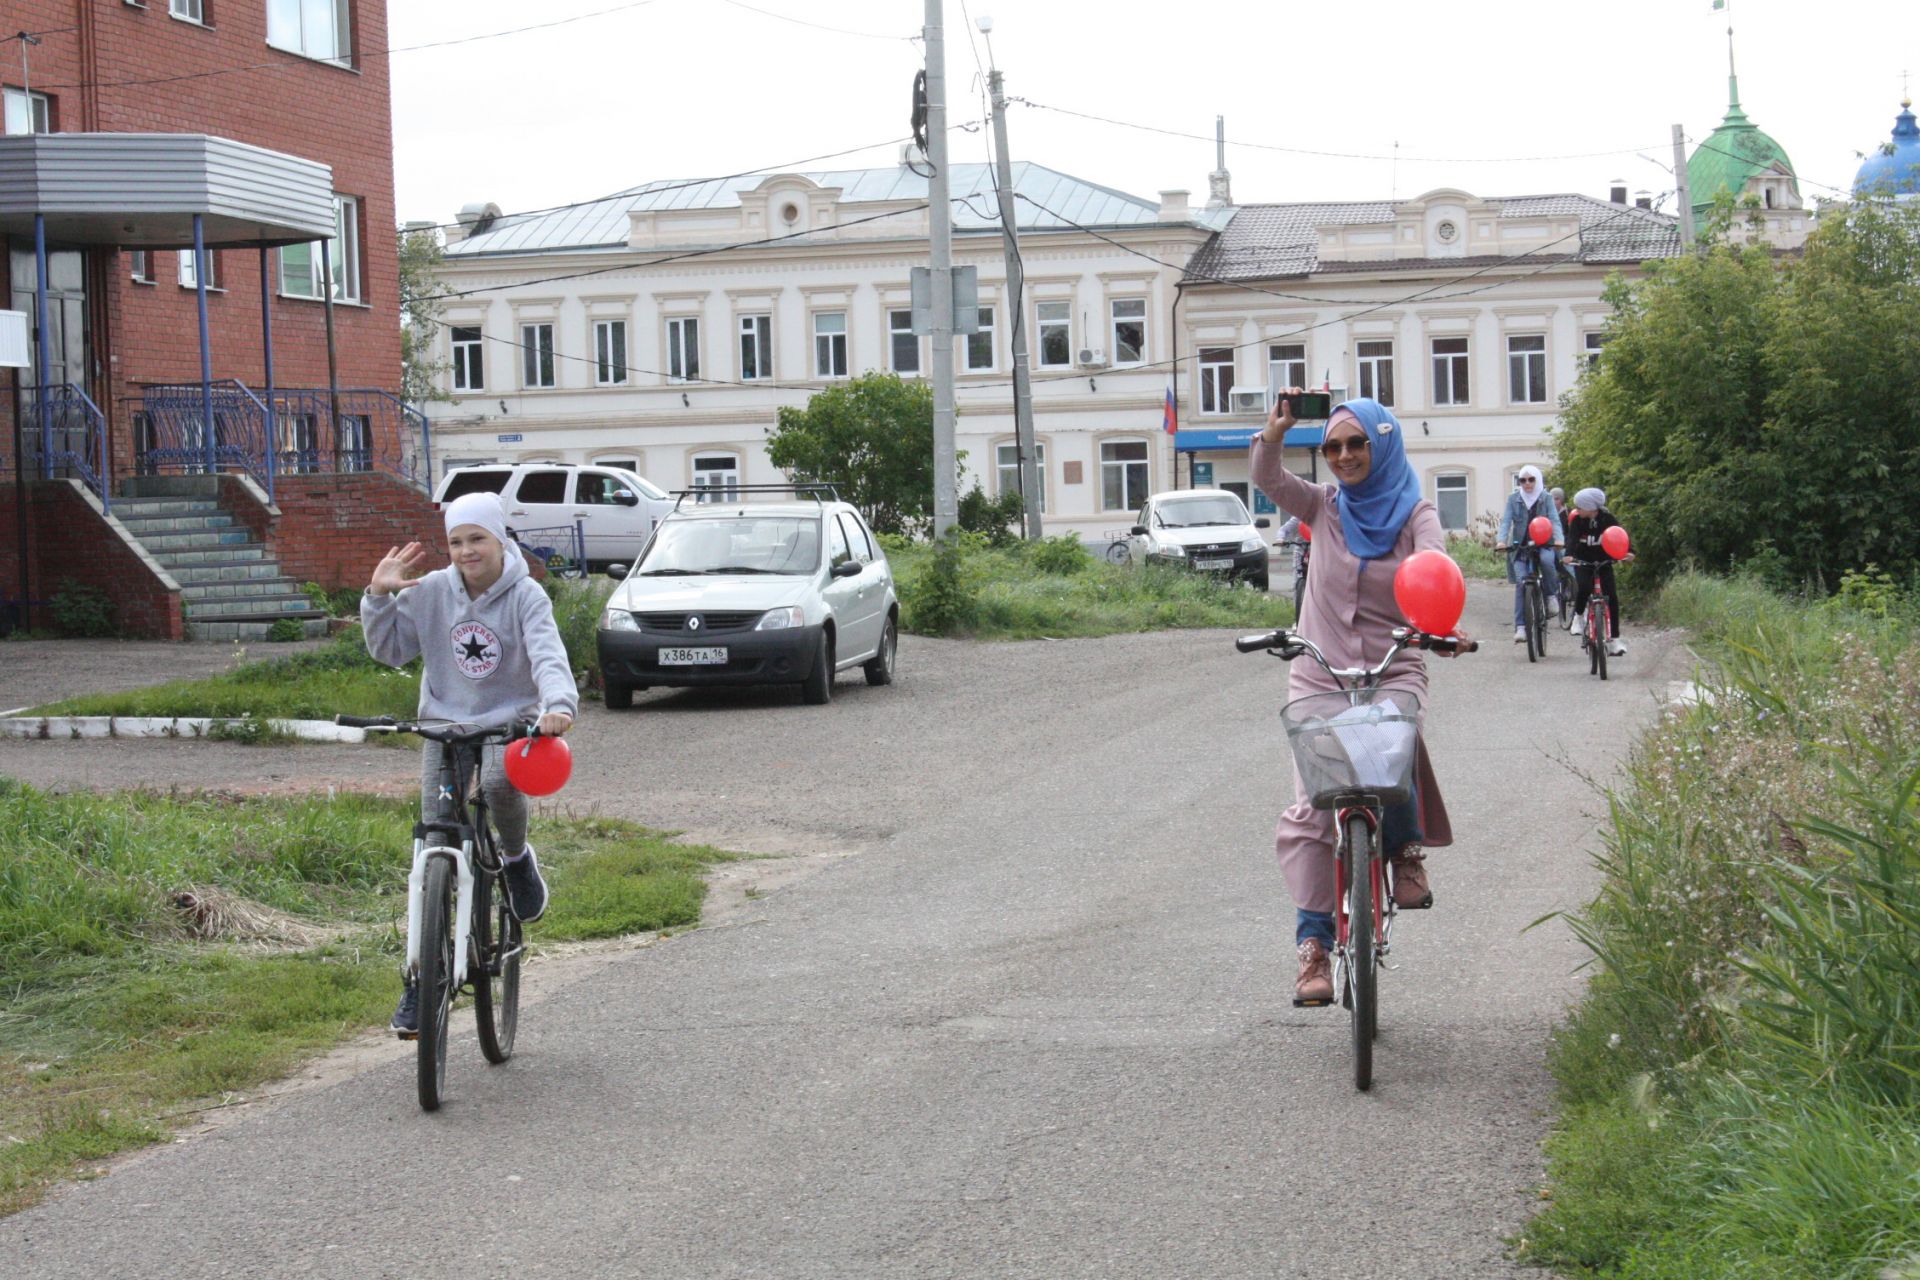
[752, 593]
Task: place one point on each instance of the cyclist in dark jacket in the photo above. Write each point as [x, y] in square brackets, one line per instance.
[1590, 520]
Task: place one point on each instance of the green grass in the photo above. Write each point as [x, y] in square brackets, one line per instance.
[1741, 1084]
[1020, 593]
[121, 1018]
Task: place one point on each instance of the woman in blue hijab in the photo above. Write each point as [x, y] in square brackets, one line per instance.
[1369, 520]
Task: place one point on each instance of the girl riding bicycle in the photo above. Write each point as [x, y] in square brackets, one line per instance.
[1593, 565]
[1528, 500]
[1365, 524]
[492, 654]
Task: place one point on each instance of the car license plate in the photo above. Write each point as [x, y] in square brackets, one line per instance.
[1224, 562]
[693, 657]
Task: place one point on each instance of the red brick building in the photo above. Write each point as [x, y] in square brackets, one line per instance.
[307, 78]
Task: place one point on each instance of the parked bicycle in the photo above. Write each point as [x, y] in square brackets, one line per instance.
[460, 933]
[1533, 596]
[1356, 748]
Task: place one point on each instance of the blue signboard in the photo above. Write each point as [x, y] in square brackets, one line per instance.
[1262, 504]
[510, 439]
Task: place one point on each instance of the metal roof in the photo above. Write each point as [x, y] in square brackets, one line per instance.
[1052, 201]
[1263, 241]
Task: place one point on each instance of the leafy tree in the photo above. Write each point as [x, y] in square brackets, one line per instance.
[420, 306]
[1752, 410]
[872, 437]
[999, 519]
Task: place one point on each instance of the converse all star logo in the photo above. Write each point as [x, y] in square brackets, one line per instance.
[476, 650]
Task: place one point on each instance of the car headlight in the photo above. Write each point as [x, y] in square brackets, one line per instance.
[618, 620]
[1252, 544]
[1173, 551]
[781, 619]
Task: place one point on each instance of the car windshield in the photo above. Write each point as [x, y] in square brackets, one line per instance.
[1191, 513]
[734, 544]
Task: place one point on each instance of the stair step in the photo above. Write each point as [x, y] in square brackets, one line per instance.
[222, 554]
[251, 607]
[226, 631]
[146, 508]
[195, 539]
[145, 527]
[242, 588]
[188, 575]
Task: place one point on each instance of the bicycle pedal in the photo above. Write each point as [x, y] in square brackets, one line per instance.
[407, 1035]
[1298, 1003]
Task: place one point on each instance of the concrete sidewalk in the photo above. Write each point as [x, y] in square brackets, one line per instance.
[33, 672]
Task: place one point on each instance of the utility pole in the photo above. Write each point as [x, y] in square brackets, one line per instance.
[946, 506]
[1686, 196]
[1016, 305]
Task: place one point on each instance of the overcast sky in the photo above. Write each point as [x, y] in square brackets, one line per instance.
[689, 88]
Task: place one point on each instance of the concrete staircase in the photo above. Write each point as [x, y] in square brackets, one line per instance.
[230, 589]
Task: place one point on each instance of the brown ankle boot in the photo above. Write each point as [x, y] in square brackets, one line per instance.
[1411, 892]
[1314, 986]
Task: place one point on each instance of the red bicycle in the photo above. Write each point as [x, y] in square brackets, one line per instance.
[1593, 636]
[1356, 748]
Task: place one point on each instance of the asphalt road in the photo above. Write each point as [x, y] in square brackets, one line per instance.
[1032, 1019]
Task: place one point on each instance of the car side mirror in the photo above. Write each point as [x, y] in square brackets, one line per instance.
[1138, 531]
[1261, 522]
[846, 569]
[626, 498]
[618, 572]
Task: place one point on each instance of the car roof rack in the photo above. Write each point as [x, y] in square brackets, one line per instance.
[821, 493]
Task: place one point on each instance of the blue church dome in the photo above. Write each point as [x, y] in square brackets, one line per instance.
[1893, 170]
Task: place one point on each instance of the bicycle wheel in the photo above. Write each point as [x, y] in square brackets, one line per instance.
[1541, 625]
[437, 980]
[1362, 962]
[1602, 628]
[495, 968]
[1299, 597]
[1530, 618]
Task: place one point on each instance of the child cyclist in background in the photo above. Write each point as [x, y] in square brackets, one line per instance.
[492, 654]
[1590, 520]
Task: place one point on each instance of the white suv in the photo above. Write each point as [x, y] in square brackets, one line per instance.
[616, 510]
[1204, 529]
[746, 593]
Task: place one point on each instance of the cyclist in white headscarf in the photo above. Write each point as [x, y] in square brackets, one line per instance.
[1528, 501]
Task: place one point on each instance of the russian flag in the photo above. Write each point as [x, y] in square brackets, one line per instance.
[1170, 419]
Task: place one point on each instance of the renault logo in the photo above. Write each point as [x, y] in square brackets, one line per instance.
[693, 622]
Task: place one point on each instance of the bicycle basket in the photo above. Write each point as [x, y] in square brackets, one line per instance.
[1364, 740]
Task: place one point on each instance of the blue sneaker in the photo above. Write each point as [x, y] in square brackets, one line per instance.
[526, 891]
[406, 1018]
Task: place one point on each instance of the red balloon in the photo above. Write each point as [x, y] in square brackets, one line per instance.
[1306, 532]
[1430, 591]
[539, 766]
[1614, 542]
[1540, 529]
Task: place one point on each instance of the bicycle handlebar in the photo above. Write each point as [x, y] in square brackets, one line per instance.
[1290, 645]
[443, 730]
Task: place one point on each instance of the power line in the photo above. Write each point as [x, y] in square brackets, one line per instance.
[1335, 155]
[819, 26]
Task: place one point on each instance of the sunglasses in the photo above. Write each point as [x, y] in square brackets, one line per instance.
[1526, 480]
[1347, 444]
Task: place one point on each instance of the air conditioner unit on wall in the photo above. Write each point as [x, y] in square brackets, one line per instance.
[1247, 400]
[1092, 358]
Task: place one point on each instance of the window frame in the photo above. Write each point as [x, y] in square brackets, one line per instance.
[1114, 322]
[984, 334]
[830, 343]
[532, 349]
[140, 266]
[1521, 364]
[611, 368]
[755, 328]
[342, 31]
[1452, 370]
[188, 272]
[1278, 374]
[1128, 500]
[1592, 343]
[198, 16]
[1006, 473]
[345, 259]
[1214, 380]
[1374, 367]
[726, 492]
[462, 377]
[902, 339]
[680, 369]
[1043, 324]
[1464, 488]
[38, 107]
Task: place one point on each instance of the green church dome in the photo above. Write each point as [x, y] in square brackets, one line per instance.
[1732, 155]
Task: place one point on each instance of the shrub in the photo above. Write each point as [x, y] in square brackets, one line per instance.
[939, 601]
[996, 519]
[1064, 554]
[83, 610]
[285, 630]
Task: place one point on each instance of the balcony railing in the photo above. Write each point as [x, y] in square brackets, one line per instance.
[70, 442]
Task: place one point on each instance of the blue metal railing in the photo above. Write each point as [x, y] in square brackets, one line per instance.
[177, 439]
[562, 548]
[72, 437]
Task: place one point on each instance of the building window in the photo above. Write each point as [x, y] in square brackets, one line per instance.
[719, 473]
[609, 353]
[189, 10]
[1376, 371]
[903, 347]
[1007, 464]
[1527, 368]
[683, 349]
[469, 368]
[1056, 334]
[27, 112]
[311, 28]
[1286, 366]
[536, 355]
[830, 344]
[188, 278]
[980, 344]
[1594, 343]
[1123, 474]
[756, 348]
[1129, 330]
[1450, 371]
[300, 263]
[1216, 381]
[619, 464]
[140, 266]
[1450, 496]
